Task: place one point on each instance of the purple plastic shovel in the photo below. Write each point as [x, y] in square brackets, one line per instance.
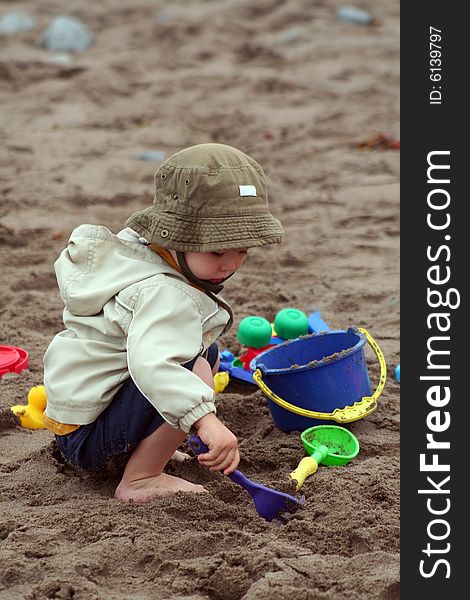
[269, 503]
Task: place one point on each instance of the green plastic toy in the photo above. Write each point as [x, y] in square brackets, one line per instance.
[328, 445]
[254, 332]
[290, 323]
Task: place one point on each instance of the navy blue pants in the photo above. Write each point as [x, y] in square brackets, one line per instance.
[106, 444]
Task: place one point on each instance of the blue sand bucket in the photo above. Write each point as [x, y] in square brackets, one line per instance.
[318, 379]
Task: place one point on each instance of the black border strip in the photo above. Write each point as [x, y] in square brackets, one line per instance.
[434, 251]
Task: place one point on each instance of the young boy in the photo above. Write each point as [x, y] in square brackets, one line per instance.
[132, 373]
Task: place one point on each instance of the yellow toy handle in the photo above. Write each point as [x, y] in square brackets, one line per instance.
[347, 414]
[307, 466]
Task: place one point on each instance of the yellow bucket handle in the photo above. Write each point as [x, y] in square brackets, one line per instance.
[341, 415]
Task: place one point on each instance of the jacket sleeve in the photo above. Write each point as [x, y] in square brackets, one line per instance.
[165, 332]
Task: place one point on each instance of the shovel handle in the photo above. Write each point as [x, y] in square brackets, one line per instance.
[197, 445]
[307, 466]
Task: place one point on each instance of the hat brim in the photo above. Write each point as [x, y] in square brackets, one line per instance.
[190, 234]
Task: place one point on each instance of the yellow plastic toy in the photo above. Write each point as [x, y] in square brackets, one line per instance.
[30, 415]
[221, 381]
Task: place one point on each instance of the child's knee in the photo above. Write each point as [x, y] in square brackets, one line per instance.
[203, 370]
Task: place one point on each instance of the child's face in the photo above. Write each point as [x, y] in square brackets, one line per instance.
[215, 266]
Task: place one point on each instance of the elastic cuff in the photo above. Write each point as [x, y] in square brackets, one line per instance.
[195, 414]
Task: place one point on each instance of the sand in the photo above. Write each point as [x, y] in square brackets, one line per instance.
[305, 95]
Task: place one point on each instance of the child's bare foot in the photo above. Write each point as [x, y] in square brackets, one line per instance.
[179, 456]
[145, 490]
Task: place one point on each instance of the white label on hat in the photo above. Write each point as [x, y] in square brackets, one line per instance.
[247, 190]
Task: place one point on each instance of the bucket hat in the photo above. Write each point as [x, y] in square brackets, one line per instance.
[208, 197]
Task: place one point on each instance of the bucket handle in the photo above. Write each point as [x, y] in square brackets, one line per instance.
[341, 415]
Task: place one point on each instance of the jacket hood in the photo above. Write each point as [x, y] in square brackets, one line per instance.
[96, 265]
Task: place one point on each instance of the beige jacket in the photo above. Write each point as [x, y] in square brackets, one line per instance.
[128, 314]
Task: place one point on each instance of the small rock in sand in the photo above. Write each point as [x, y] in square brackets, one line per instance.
[60, 59]
[15, 22]
[151, 155]
[351, 14]
[289, 36]
[66, 34]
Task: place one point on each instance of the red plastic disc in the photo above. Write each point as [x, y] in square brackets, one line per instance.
[12, 359]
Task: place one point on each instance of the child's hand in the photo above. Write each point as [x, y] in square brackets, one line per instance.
[223, 452]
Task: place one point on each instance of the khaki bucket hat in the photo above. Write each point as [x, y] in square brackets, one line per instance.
[208, 197]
